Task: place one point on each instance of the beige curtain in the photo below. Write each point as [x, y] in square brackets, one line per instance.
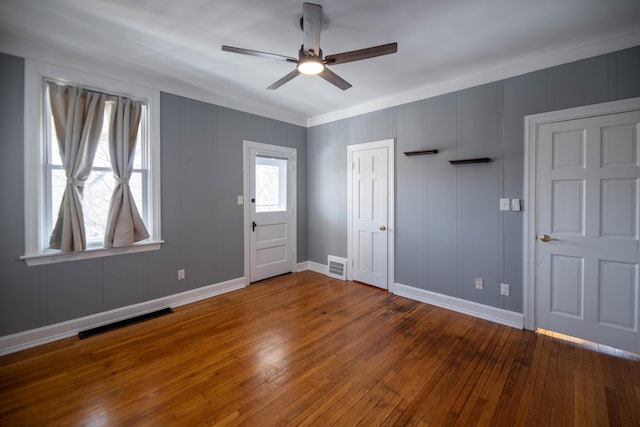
[124, 224]
[78, 116]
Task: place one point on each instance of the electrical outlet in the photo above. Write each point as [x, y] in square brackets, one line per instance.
[479, 283]
[504, 289]
[181, 274]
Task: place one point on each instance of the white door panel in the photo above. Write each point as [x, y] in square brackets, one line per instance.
[271, 245]
[587, 194]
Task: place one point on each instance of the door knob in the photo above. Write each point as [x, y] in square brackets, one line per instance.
[382, 228]
[546, 238]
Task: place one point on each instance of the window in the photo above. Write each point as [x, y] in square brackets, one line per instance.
[271, 184]
[46, 179]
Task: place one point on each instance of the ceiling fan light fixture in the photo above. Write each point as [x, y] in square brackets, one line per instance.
[310, 60]
[311, 66]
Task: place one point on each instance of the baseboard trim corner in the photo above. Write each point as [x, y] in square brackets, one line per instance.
[318, 268]
[497, 315]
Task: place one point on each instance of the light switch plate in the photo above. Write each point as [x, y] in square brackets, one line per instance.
[504, 204]
[241, 200]
[515, 204]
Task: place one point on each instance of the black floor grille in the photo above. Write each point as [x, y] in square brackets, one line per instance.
[122, 323]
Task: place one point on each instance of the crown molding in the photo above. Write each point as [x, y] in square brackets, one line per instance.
[472, 78]
[480, 77]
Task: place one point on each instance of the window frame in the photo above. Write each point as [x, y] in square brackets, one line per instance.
[35, 160]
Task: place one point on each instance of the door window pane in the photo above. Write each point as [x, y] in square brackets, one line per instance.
[271, 184]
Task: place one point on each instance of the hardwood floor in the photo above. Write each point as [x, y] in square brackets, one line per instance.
[305, 349]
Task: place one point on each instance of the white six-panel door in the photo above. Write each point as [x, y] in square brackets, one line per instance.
[370, 206]
[586, 249]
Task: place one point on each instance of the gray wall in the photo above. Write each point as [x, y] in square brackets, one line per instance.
[201, 221]
[448, 226]
[449, 229]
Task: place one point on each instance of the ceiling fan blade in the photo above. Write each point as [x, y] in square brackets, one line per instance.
[334, 79]
[311, 24]
[285, 79]
[357, 55]
[258, 53]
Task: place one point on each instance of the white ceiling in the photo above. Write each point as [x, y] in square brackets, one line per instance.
[442, 44]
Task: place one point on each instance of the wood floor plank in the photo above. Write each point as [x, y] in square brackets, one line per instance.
[305, 349]
[515, 383]
[535, 391]
[489, 394]
[559, 390]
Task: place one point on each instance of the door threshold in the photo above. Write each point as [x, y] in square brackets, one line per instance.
[272, 277]
[590, 345]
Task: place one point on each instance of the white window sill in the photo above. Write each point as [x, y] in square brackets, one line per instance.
[55, 257]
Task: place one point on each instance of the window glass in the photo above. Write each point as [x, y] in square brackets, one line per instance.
[271, 184]
[95, 203]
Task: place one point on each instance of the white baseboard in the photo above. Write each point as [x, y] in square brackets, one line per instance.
[317, 267]
[34, 337]
[498, 315]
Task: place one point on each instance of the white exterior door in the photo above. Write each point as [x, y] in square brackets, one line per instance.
[586, 249]
[369, 213]
[270, 221]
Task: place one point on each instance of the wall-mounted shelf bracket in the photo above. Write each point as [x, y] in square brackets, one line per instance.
[470, 161]
[420, 152]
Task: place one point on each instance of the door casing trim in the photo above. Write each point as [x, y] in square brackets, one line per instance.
[391, 203]
[532, 124]
[293, 197]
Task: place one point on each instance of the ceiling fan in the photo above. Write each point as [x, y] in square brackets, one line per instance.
[310, 60]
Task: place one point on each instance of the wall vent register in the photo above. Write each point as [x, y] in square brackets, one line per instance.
[337, 267]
